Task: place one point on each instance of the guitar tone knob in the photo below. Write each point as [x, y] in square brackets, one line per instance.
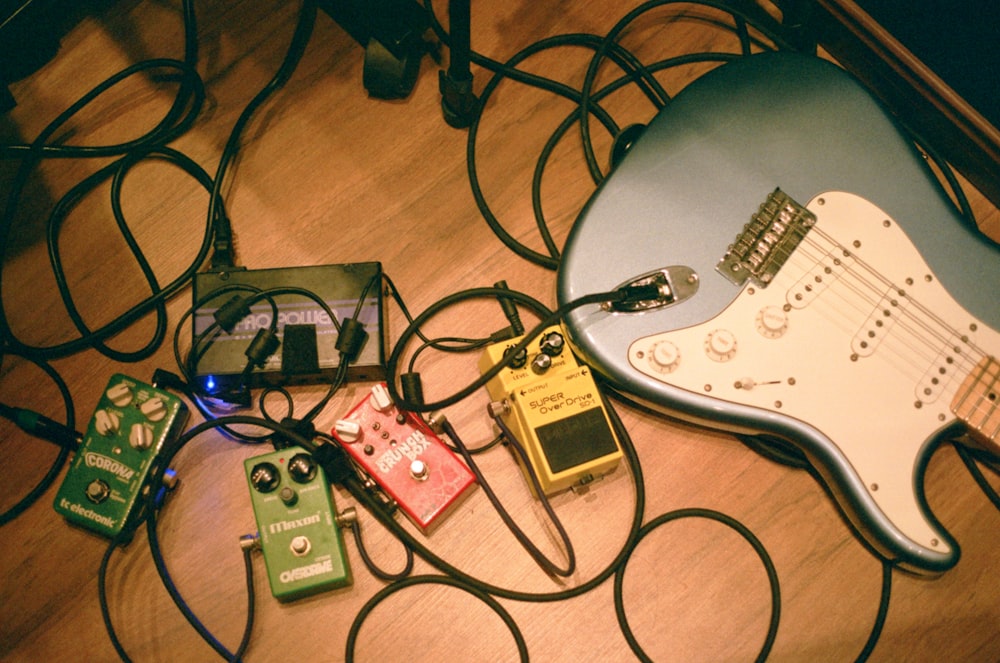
[720, 345]
[665, 357]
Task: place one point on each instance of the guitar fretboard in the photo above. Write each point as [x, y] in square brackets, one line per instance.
[977, 403]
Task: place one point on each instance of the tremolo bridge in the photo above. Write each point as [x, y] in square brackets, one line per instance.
[765, 243]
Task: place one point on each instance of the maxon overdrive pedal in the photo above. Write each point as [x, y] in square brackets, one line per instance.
[551, 404]
[107, 477]
[299, 535]
[404, 457]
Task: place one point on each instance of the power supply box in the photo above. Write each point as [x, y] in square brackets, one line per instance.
[307, 353]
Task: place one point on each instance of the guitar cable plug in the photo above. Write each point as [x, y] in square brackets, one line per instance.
[40, 426]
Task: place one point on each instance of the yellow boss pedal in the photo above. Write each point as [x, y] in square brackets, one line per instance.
[551, 404]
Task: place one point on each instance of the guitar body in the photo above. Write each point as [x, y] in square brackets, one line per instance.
[871, 336]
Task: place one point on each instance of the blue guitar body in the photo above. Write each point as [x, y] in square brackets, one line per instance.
[818, 286]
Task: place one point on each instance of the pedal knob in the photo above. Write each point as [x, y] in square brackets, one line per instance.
[140, 437]
[119, 394]
[541, 363]
[106, 423]
[519, 360]
[348, 430]
[552, 344]
[154, 409]
[288, 496]
[380, 398]
[302, 468]
[265, 477]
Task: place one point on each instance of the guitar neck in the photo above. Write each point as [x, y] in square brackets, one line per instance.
[977, 403]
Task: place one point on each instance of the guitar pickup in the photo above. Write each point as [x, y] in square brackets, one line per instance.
[767, 241]
[672, 286]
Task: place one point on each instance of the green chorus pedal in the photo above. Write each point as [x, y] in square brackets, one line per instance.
[108, 476]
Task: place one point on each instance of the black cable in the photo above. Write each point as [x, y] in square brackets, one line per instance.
[587, 98]
[547, 320]
[883, 611]
[742, 530]
[740, 12]
[64, 450]
[977, 474]
[300, 39]
[181, 115]
[375, 569]
[102, 595]
[386, 592]
[536, 554]
[91, 338]
[167, 455]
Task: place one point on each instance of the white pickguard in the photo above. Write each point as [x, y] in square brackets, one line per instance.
[854, 336]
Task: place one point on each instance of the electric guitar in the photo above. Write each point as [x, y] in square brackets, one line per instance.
[816, 284]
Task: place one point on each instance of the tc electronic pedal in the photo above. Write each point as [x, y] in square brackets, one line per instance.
[130, 425]
[551, 404]
[299, 535]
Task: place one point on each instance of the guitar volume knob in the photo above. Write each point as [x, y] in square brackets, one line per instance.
[664, 357]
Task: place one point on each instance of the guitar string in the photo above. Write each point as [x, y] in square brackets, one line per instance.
[924, 330]
[910, 330]
[902, 322]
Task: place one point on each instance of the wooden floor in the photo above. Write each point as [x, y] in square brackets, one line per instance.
[328, 175]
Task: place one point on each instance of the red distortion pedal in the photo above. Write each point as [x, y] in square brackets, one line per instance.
[404, 457]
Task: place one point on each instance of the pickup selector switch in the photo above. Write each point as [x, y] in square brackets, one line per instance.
[664, 357]
[720, 345]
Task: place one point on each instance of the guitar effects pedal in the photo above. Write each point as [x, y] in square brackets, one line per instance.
[298, 533]
[552, 405]
[130, 426]
[400, 453]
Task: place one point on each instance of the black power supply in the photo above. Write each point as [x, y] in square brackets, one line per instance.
[308, 353]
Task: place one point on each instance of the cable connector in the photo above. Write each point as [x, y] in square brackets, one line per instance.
[263, 345]
[300, 427]
[351, 339]
[346, 518]
[510, 310]
[413, 389]
[335, 463]
[437, 421]
[229, 314]
[249, 542]
[164, 379]
[642, 293]
[42, 427]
